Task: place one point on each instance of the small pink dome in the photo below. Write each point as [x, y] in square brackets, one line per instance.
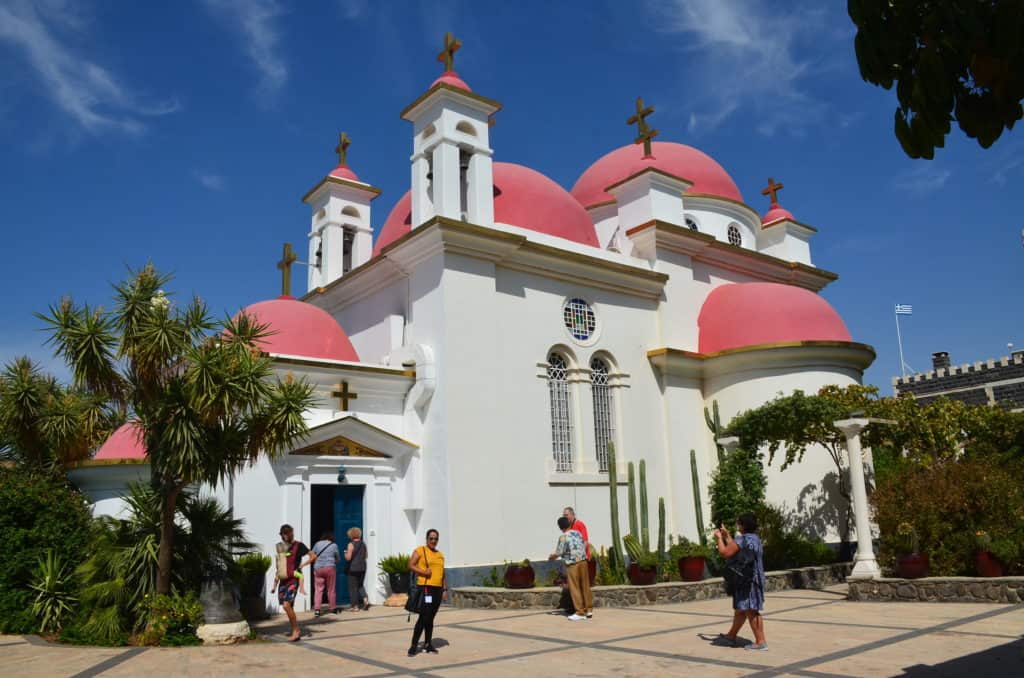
[677, 159]
[522, 197]
[343, 172]
[302, 329]
[452, 78]
[124, 443]
[748, 314]
[776, 213]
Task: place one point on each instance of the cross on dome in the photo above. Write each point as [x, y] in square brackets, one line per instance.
[772, 190]
[447, 55]
[342, 148]
[645, 133]
[288, 257]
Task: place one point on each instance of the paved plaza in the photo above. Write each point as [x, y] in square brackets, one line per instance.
[810, 633]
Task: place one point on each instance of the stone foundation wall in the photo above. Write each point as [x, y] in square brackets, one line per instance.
[940, 589]
[656, 594]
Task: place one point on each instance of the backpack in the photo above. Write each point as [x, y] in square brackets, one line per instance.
[740, 569]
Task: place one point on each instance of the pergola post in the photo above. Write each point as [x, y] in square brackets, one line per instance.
[865, 566]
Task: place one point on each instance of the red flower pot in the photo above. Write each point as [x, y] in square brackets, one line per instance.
[519, 577]
[641, 576]
[912, 566]
[592, 570]
[691, 568]
[988, 565]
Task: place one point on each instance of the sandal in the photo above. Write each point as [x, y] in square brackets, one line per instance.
[752, 646]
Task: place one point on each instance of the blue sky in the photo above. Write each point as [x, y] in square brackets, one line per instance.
[186, 133]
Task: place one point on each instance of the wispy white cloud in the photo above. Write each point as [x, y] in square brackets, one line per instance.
[211, 180]
[743, 55]
[256, 22]
[923, 178]
[87, 92]
[352, 9]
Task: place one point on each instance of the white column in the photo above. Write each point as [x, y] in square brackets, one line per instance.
[865, 566]
[730, 443]
[422, 206]
[447, 181]
[480, 208]
[362, 245]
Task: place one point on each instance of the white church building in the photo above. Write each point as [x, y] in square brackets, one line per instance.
[472, 363]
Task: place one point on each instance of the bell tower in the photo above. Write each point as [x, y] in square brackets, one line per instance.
[341, 236]
[452, 173]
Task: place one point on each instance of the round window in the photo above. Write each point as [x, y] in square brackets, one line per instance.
[734, 235]
[579, 319]
[691, 224]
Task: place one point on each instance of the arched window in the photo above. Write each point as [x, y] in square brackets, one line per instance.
[604, 425]
[735, 238]
[561, 413]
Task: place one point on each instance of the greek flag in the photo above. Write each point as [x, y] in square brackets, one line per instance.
[904, 309]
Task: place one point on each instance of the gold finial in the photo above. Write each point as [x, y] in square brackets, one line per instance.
[342, 148]
[772, 190]
[288, 257]
[447, 55]
[645, 133]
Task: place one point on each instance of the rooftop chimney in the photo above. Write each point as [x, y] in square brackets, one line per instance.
[940, 360]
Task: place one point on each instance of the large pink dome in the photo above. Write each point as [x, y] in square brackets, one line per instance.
[301, 329]
[522, 197]
[678, 160]
[124, 443]
[748, 314]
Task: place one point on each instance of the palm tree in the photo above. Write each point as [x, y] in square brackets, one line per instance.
[204, 394]
[45, 425]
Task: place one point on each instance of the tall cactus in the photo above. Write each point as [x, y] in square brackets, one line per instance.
[645, 532]
[698, 507]
[661, 528]
[714, 423]
[634, 527]
[613, 489]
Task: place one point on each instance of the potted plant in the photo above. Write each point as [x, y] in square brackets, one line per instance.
[910, 564]
[691, 558]
[519, 575]
[397, 569]
[644, 570]
[986, 562]
[252, 579]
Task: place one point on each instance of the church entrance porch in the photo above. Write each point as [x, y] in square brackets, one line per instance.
[336, 508]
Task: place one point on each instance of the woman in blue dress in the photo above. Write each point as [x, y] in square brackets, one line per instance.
[747, 600]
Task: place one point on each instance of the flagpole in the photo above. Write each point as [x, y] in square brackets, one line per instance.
[899, 341]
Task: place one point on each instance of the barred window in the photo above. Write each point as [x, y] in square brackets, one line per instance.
[604, 427]
[734, 235]
[561, 409]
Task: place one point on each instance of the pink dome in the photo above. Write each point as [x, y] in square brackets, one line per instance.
[677, 159]
[343, 172]
[301, 329]
[522, 197]
[748, 314]
[452, 78]
[776, 213]
[124, 443]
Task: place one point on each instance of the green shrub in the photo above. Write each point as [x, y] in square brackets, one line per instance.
[37, 512]
[684, 548]
[250, 568]
[396, 564]
[54, 586]
[172, 620]
[737, 487]
[947, 503]
[785, 547]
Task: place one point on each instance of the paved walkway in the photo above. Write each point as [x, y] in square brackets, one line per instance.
[810, 633]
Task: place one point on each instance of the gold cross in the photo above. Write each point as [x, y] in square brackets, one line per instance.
[344, 394]
[772, 190]
[447, 55]
[645, 133]
[342, 148]
[288, 258]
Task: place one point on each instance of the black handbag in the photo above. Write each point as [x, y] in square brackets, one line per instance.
[415, 599]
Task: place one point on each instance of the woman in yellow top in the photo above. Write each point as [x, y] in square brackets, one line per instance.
[428, 564]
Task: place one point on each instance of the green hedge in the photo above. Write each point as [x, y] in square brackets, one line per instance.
[37, 512]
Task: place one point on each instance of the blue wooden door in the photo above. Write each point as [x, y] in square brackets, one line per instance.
[348, 513]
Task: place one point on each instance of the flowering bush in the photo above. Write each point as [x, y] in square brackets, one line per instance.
[172, 620]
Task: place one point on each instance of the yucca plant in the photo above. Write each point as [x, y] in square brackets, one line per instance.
[54, 587]
[203, 393]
